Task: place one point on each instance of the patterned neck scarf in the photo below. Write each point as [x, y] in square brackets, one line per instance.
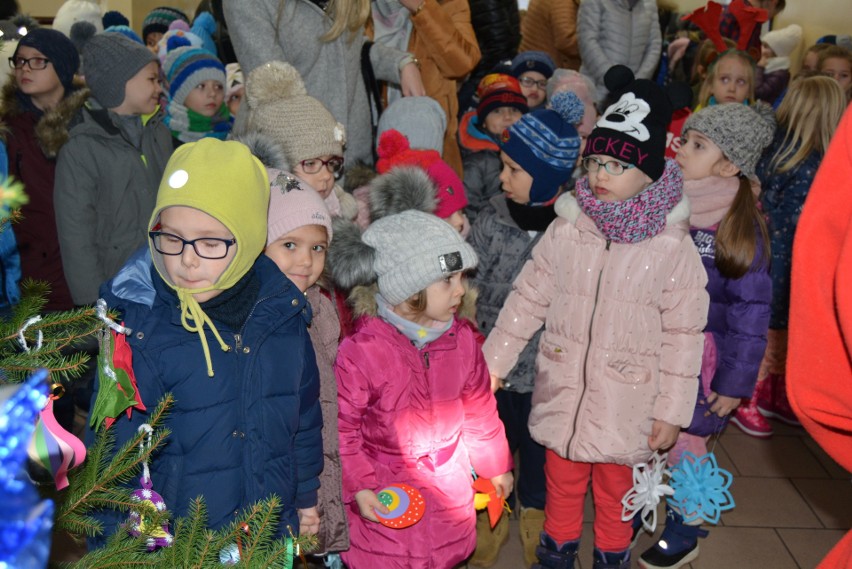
[189, 126]
[639, 218]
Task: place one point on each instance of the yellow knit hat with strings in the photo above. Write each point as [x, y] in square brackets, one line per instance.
[225, 181]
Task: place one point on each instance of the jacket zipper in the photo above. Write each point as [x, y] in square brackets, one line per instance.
[588, 349]
[426, 359]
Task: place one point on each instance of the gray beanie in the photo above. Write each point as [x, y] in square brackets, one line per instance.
[420, 119]
[111, 60]
[413, 250]
[741, 132]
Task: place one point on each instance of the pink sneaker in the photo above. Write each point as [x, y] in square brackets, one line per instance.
[776, 405]
[750, 421]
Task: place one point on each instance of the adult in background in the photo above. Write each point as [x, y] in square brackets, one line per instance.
[551, 26]
[613, 32]
[498, 31]
[440, 36]
[322, 39]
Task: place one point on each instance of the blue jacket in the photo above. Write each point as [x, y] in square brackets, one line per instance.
[783, 196]
[252, 430]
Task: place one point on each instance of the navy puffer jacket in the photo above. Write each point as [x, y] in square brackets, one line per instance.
[252, 430]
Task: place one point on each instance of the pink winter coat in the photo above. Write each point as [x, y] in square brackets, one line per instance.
[623, 335]
[423, 418]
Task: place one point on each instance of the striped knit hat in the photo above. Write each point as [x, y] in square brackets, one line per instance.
[546, 144]
[159, 19]
[499, 90]
[187, 67]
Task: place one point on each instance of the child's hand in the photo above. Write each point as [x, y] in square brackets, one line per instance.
[495, 383]
[367, 502]
[663, 435]
[722, 405]
[504, 484]
[309, 521]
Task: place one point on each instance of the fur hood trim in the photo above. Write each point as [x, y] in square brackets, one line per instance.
[265, 148]
[401, 189]
[348, 205]
[567, 207]
[52, 129]
[358, 175]
[362, 299]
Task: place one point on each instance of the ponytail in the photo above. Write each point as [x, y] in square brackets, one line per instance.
[736, 238]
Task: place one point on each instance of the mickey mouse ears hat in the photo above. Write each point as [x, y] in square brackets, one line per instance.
[633, 129]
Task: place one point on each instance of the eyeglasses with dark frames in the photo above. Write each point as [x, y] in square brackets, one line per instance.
[314, 165]
[34, 63]
[530, 82]
[205, 247]
[613, 167]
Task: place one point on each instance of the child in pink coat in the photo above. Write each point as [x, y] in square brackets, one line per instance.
[413, 393]
[620, 289]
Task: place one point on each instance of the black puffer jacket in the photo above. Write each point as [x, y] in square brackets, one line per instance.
[498, 32]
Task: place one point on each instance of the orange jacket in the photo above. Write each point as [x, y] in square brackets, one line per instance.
[551, 26]
[819, 366]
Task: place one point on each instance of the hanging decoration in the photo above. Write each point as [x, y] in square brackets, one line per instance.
[157, 537]
[701, 488]
[647, 492]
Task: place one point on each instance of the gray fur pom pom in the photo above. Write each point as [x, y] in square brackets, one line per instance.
[265, 148]
[350, 259]
[401, 189]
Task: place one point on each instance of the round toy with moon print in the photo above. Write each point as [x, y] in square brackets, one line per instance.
[405, 504]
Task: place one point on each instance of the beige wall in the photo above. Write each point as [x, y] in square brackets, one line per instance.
[135, 10]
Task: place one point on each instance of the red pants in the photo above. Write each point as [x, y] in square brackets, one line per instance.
[567, 482]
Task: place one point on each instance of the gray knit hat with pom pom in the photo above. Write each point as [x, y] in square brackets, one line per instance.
[741, 132]
[546, 144]
[404, 252]
[280, 107]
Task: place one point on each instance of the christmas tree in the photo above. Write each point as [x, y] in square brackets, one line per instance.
[31, 340]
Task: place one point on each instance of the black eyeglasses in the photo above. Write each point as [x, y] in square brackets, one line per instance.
[613, 167]
[314, 165]
[205, 247]
[34, 63]
[530, 82]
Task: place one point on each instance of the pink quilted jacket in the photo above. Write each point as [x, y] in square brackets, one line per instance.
[623, 335]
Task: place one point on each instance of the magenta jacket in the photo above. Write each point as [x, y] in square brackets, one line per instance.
[423, 418]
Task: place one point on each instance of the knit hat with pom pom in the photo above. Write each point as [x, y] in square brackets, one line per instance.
[187, 67]
[741, 132]
[546, 144]
[73, 11]
[181, 29]
[281, 108]
[634, 128]
[159, 19]
[395, 151]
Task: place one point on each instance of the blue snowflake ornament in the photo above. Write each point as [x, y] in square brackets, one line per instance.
[701, 488]
[647, 492]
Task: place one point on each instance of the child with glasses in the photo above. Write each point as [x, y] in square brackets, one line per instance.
[108, 171]
[532, 69]
[225, 332]
[619, 287]
[309, 136]
[37, 107]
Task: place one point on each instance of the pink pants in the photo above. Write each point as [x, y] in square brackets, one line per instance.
[567, 482]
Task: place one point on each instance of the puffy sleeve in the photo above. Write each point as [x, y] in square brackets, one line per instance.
[683, 313]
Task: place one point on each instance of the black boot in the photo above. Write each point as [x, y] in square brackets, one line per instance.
[551, 556]
[677, 546]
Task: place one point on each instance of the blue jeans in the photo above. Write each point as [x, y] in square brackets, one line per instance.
[514, 409]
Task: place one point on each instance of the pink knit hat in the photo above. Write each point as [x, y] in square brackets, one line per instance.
[293, 204]
[394, 150]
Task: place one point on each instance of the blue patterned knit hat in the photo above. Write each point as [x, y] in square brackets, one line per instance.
[186, 67]
[546, 144]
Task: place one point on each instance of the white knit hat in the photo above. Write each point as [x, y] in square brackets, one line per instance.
[784, 41]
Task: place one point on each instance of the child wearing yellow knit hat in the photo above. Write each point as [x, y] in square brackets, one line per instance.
[225, 333]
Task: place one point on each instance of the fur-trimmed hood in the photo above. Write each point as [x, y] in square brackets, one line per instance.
[264, 148]
[52, 129]
[358, 175]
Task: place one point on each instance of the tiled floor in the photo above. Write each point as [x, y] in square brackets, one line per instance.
[793, 503]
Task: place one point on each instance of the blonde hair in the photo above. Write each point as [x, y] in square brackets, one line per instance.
[704, 59]
[345, 15]
[808, 117]
[707, 87]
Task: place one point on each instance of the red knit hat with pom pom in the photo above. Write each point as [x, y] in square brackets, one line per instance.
[394, 151]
